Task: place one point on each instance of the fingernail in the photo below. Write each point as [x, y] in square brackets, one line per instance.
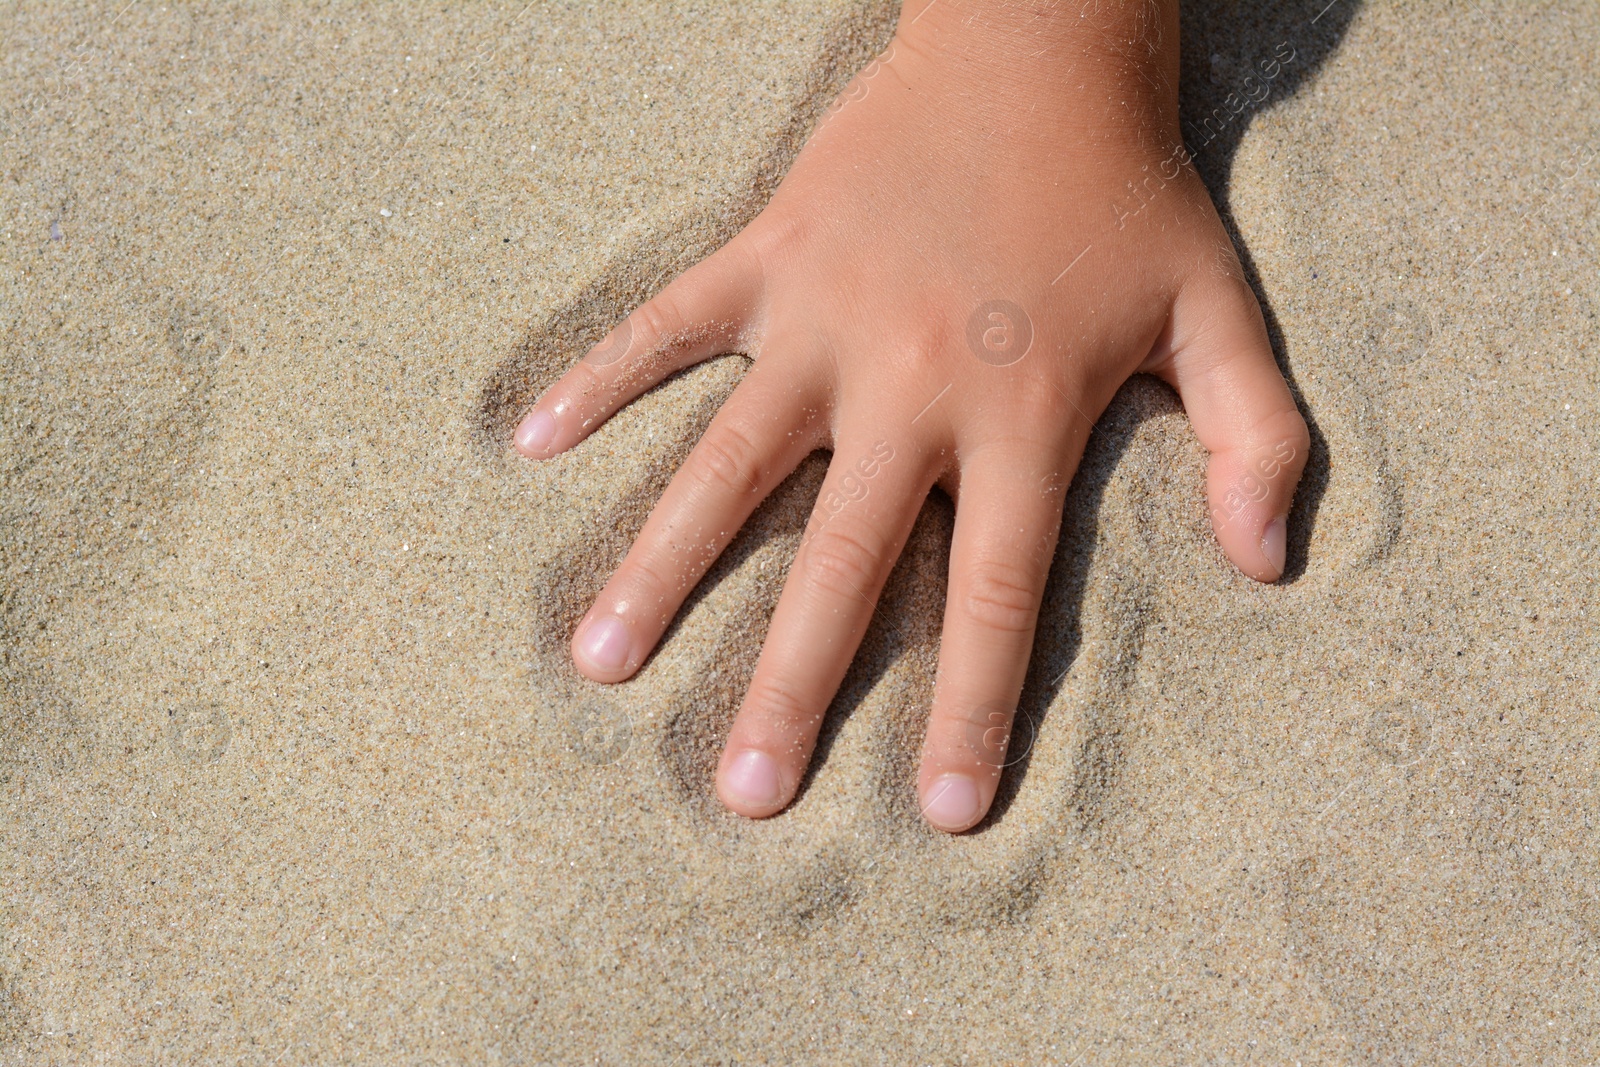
[1275, 544]
[605, 643]
[951, 802]
[752, 779]
[536, 433]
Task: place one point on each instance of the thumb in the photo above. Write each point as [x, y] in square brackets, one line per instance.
[1220, 361]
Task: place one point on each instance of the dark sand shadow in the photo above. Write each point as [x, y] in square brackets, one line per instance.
[1239, 59]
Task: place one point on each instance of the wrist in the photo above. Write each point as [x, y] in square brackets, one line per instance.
[1104, 67]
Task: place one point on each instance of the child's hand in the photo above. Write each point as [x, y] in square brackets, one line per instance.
[994, 227]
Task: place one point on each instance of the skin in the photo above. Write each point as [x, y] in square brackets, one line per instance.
[1020, 152]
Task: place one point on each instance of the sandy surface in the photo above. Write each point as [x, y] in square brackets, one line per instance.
[295, 769]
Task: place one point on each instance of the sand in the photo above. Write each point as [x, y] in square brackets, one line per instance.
[296, 769]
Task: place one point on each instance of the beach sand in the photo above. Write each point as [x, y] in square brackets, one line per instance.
[296, 769]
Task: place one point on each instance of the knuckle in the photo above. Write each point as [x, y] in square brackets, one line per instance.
[783, 713]
[644, 582]
[778, 233]
[658, 319]
[727, 460]
[983, 735]
[1298, 437]
[1285, 442]
[1000, 596]
[841, 561]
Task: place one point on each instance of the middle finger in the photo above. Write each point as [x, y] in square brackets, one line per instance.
[870, 500]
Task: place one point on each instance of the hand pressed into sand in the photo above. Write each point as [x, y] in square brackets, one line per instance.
[947, 289]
